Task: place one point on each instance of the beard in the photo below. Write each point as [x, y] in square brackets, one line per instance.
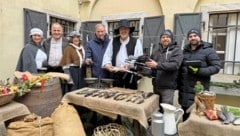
[194, 43]
[166, 42]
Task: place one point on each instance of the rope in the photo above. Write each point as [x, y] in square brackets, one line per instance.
[40, 126]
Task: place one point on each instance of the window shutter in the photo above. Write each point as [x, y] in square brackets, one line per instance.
[88, 30]
[153, 27]
[183, 23]
[34, 19]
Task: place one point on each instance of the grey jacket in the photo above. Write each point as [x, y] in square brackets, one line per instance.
[169, 60]
[26, 61]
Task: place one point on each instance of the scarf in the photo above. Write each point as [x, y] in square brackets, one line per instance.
[79, 50]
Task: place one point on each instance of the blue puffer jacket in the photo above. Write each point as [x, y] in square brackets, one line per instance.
[95, 51]
[210, 64]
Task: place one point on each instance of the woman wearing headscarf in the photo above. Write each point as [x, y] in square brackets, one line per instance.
[72, 61]
[32, 57]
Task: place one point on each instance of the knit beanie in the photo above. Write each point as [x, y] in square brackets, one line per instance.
[168, 33]
[195, 31]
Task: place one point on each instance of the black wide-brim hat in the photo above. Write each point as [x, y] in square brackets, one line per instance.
[124, 23]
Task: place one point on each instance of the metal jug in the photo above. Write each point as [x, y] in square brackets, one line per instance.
[157, 124]
[171, 118]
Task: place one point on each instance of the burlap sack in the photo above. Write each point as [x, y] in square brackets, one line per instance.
[67, 121]
[32, 125]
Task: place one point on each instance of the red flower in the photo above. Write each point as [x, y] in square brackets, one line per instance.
[42, 84]
[24, 77]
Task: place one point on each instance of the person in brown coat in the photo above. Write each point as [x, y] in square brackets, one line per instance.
[72, 61]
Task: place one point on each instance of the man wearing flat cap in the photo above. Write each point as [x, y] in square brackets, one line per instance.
[200, 61]
[118, 50]
[165, 62]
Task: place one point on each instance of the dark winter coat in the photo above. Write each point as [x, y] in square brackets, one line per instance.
[210, 64]
[169, 61]
[95, 51]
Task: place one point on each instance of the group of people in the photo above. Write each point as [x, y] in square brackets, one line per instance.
[173, 71]
[58, 54]
[108, 60]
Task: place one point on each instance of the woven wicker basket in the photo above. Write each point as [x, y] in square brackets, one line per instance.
[207, 99]
[111, 129]
[5, 99]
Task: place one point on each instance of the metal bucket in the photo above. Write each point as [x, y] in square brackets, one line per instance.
[43, 102]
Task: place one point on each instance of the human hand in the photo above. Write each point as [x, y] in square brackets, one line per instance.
[109, 67]
[192, 69]
[151, 63]
[124, 67]
[88, 61]
[70, 81]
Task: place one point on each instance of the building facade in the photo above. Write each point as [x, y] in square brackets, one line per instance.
[17, 17]
[219, 22]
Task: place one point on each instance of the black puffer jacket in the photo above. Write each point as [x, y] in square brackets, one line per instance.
[210, 65]
[169, 61]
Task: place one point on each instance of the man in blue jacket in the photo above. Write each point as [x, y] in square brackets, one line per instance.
[95, 51]
[196, 50]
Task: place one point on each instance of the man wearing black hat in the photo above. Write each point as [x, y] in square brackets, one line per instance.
[118, 50]
[200, 61]
[166, 62]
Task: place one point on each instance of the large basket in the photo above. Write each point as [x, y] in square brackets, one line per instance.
[43, 102]
[111, 129]
[208, 99]
[6, 98]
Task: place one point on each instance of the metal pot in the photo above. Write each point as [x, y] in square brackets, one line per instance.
[107, 80]
[91, 80]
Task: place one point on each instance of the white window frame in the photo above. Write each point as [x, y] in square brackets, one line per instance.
[137, 15]
[224, 8]
[60, 16]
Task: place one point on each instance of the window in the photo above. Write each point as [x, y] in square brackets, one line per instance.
[112, 25]
[224, 33]
[67, 25]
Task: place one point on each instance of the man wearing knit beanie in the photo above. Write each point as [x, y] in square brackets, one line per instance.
[195, 31]
[200, 61]
[165, 63]
[168, 33]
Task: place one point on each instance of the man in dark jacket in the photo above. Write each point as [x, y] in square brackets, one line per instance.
[95, 51]
[54, 47]
[196, 50]
[166, 62]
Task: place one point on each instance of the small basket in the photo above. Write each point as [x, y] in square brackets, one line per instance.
[208, 99]
[6, 98]
[111, 129]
